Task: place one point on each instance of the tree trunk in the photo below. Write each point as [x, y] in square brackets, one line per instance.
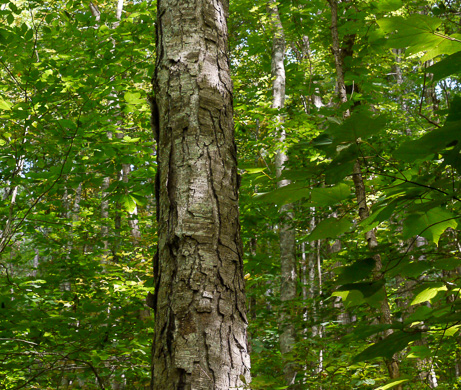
[339, 54]
[287, 233]
[133, 221]
[392, 364]
[200, 337]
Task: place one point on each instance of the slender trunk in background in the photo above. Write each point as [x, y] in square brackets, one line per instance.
[425, 367]
[400, 82]
[315, 289]
[106, 180]
[287, 232]
[133, 222]
[119, 134]
[8, 229]
[360, 192]
[200, 339]
[429, 90]
[105, 209]
[385, 312]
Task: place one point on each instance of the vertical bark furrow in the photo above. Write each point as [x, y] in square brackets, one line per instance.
[200, 292]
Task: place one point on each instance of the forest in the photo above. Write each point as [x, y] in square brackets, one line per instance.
[344, 271]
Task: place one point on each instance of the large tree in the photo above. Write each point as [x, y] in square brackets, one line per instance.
[200, 321]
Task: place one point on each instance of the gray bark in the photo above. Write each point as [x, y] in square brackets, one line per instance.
[287, 232]
[200, 339]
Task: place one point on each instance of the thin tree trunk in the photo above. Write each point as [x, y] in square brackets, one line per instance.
[133, 222]
[105, 210]
[7, 231]
[200, 337]
[287, 232]
[339, 55]
[385, 312]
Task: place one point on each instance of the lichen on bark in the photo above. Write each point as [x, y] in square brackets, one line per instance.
[200, 321]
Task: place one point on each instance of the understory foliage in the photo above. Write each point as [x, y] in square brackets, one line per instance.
[77, 206]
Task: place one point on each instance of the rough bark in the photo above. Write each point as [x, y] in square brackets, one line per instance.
[200, 337]
[287, 233]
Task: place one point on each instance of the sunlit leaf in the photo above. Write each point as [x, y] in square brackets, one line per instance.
[427, 294]
[4, 104]
[394, 383]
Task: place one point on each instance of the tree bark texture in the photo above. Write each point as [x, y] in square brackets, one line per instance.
[200, 339]
[287, 232]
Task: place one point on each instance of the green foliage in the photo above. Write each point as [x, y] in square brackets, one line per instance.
[72, 284]
[73, 117]
[405, 134]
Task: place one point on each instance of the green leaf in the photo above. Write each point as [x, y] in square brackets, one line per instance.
[447, 67]
[361, 124]
[431, 143]
[448, 45]
[388, 5]
[330, 196]
[427, 294]
[4, 104]
[360, 270]
[419, 352]
[350, 298]
[330, 228]
[447, 264]
[414, 269]
[322, 140]
[451, 331]
[129, 203]
[134, 98]
[67, 124]
[288, 194]
[416, 33]
[378, 215]
[342, 165]
[254, 170]
[388, 346]
[127, 138]
[430, 224]
[421, 313]
[354, 294]
[366, 288]
[394, 383]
